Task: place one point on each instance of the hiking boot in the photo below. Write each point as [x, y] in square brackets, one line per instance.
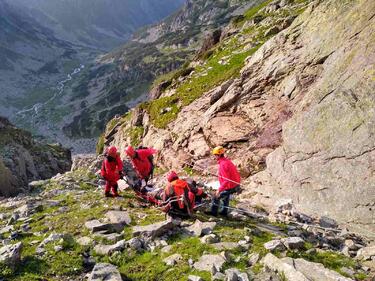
[108, 194]
[209, 213]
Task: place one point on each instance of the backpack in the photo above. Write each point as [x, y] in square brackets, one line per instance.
[180, 189]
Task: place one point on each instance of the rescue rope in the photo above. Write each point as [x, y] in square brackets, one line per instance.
[202, 169]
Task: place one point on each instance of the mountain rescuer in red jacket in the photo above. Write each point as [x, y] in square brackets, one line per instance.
[229, 179]
[179, 193]
[142, 162]
[111, 171]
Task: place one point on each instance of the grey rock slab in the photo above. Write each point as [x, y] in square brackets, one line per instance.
[135, 243]
[231, 274]
[194, 278]
[218, 276]
[274, 245]
[366, 253]
[208, 262]
[96, 225]
[11, 254]
[109, 249]
[275, 264]
[243, 277]
[154, 230]
[293, 243]
[173, 259]
[253, 259]
[118, 217]
[314, 271]
[6, 229]
[105, 272]
[167, 249]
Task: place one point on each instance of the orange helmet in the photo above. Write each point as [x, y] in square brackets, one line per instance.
[172, 176]
[112, 151]
[130, 151]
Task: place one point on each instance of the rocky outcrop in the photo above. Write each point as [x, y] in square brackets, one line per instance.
[23, 159]
[302, 107]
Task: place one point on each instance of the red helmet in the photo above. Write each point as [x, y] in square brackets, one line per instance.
[112, 151]
[172, 176]
[130, 151]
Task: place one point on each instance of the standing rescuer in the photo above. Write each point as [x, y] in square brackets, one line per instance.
[229, 179]
[142, 163]
[111, 171]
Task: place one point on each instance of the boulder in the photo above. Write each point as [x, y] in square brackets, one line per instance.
[154, 230]
[210, 239]
[201, 228]
[366, 253]
[11, 254]
[327, 222]
[96, 225]
[274, 245]
[208, 262]
[105, 271]
[293, 243]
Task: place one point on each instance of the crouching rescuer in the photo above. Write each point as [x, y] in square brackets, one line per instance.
[142, 161]
[179, 197]
[229, 179]
[111, 171]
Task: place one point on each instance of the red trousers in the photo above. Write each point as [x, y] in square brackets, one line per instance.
[111, 185]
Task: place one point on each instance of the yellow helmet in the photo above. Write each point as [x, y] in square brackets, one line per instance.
[219, 150]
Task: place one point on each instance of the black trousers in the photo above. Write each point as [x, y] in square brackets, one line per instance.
[224, 197]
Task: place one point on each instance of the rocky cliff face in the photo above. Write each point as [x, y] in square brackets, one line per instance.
[23, 159]
[297, 107]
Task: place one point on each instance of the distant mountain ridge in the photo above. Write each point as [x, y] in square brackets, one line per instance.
[97, 23]
[42, 42]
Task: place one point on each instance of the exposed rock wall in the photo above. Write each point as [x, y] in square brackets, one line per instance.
[326, 163]
[23, 159]
[304, 102]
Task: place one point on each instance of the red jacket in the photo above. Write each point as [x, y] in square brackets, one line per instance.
[110, 169]
[229, 177]
[141, 163]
